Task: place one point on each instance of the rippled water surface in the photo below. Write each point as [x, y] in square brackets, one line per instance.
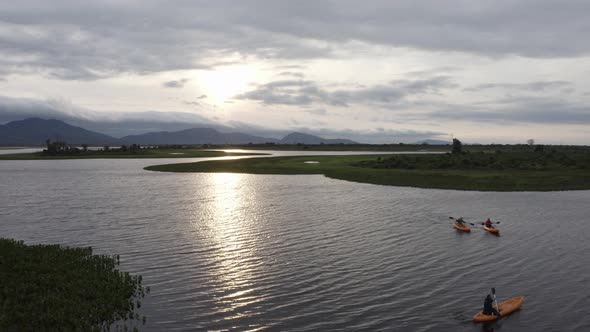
[307, 253]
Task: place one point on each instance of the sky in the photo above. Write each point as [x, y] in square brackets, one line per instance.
[502, 71]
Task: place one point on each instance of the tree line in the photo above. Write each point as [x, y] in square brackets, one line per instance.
[59, 147]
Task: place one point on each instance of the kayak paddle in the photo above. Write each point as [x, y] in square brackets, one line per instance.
[495, 300]
[470, 223]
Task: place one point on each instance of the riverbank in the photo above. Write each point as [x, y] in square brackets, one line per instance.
[118, 154]
[468, 172]
[340, 147]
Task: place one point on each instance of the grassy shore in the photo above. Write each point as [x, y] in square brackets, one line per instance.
[115, 154]
[490, 148]
[339, 147]
[422, 171]
[54, 288]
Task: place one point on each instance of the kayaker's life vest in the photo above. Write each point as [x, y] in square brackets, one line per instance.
[487, 305]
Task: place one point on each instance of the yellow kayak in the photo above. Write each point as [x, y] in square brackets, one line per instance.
[462, 228]
[505, 308]
[492, 229]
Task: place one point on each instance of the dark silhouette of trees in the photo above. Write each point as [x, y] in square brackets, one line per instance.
[56, 147]
[457, 146]
[59, 147]
[134, 148]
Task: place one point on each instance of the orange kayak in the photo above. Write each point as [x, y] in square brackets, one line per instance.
[492, 229]
[505, 308]
[462, 228]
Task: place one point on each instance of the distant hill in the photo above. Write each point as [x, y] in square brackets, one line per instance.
[35, 131]
[212, 136]
[301, 138]
[196, 136]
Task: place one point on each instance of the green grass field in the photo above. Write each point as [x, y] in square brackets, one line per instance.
[365, 169]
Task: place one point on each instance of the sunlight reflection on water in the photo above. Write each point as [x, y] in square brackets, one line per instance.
[235, 241]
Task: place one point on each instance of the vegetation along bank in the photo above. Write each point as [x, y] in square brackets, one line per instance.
[55, 288]
[58, 150]
[546, 169]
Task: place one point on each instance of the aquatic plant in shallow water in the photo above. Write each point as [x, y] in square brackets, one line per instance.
[50, 287]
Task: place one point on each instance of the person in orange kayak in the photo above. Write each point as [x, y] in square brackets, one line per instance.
[488, 308]
[460, 221]
[488, 223]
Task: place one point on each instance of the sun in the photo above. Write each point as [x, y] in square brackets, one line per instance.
[223, 83]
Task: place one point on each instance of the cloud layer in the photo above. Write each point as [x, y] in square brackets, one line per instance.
[508, 68]
[303, 92]
[81, 40]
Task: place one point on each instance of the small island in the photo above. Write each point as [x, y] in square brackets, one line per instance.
[481, 168]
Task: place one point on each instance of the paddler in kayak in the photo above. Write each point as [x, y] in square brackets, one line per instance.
[488, 308]
[460, 221]
[488, 223]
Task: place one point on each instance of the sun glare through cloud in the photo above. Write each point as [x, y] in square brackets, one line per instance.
[221, 84]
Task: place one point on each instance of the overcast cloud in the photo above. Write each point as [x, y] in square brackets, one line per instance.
[176, 83]
[302, 92]
[513, 69]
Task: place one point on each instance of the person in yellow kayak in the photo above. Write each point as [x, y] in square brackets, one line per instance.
[488, 223]
[488, 308]
[460, 221]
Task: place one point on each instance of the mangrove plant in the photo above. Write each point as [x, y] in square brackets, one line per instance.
[56, 288]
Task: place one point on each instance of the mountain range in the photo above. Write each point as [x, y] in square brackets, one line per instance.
[35, 131]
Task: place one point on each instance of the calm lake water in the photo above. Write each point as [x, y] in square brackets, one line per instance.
[306, 253]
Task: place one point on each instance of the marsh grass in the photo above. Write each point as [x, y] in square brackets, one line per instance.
[532, 161]
[55, 288]
[469, 171]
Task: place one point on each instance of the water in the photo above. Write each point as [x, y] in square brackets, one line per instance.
[19, 150]
[306, 253]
